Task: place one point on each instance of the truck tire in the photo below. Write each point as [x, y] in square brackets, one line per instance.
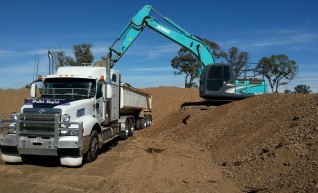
[137, 125]
[150, 120]
[147, 120]
[143, 123]
[131, 127]
[92, 153]
[124, 134]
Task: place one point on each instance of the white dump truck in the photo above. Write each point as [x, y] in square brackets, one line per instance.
[79, 110]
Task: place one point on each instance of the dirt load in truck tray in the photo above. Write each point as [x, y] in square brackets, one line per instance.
[267, 143]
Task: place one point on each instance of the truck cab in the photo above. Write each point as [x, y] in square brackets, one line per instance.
[78, 111]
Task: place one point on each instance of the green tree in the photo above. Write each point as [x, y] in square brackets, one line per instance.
[188, 63]
[69, 61]
[236, 59]
[83, 55]
[302, 89]
[278, 70]
[214, 47]
[28, 85]
[288, 91]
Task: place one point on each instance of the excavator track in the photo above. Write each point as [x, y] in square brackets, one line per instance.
[203, 105]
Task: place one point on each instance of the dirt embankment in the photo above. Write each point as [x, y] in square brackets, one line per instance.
[267, 143]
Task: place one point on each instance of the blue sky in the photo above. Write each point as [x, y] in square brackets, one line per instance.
[261, 28]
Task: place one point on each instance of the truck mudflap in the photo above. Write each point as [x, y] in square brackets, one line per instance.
[37, 137]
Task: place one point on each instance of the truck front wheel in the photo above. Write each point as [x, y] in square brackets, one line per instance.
[92, 153]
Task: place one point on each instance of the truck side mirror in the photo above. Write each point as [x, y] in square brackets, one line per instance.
[33, 90]
[109, 91]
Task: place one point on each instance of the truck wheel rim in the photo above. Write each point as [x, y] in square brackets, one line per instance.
[94, 147]
[132, 128]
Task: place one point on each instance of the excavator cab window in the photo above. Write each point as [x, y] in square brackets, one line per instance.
[217, 76]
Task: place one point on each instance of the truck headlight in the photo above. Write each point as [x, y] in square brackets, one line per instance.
[69, 133]
[14, 116]
[12, 131]
[72, 132]
[66, 118]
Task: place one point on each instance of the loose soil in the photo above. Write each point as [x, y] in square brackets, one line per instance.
[267, 143]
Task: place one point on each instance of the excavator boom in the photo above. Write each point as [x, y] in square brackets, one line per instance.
[174, 33]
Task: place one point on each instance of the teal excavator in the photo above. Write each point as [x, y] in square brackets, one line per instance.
[217, 81]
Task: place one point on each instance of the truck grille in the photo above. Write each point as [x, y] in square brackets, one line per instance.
[38, 121]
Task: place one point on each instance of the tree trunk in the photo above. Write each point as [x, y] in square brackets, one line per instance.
[276, 90]
[191, 80]
[186, 81]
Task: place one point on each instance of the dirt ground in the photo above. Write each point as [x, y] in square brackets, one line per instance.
[267, 143]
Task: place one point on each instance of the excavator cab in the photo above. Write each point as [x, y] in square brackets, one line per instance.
[220, 82]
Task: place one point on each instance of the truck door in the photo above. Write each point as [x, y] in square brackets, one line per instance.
[115, 98]
[99, 106]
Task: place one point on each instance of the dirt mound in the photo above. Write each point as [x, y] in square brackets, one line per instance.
[11, 101]
[267, 143]
[167, 100]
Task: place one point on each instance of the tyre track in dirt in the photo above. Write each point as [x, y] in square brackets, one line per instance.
[149, 165]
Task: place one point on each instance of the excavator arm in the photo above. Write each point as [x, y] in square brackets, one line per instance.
[174, 33]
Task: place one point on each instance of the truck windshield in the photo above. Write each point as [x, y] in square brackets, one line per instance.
[69, 87]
